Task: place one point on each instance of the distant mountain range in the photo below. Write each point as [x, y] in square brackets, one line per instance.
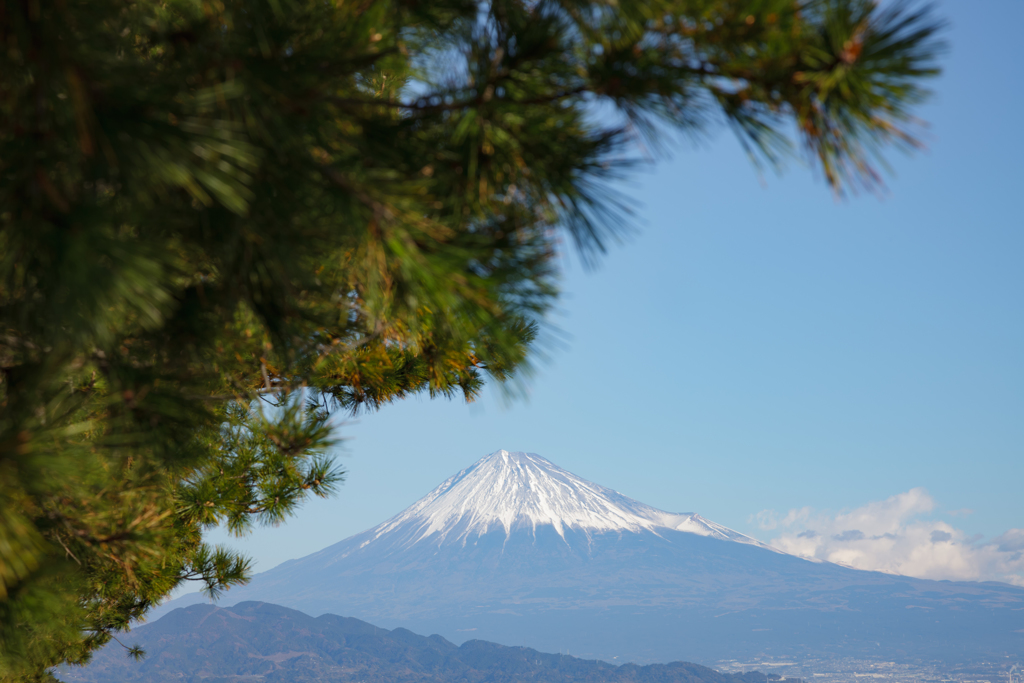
[519, 551]
[261, 643]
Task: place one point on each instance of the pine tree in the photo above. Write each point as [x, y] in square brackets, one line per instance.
[220, 220]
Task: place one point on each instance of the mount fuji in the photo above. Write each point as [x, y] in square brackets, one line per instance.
[517, 550]
[516, 492]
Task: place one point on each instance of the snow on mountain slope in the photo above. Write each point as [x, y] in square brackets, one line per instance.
[514, 490]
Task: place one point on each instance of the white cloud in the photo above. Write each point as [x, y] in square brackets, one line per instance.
[894, 536]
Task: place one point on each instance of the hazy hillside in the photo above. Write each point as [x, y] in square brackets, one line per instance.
[259, 642]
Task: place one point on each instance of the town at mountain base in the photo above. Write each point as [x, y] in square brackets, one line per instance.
[518, 551]
[262, 643]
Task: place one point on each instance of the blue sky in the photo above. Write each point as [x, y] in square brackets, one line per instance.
[759, 347]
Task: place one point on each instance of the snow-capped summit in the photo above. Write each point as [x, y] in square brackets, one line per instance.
[507, 491]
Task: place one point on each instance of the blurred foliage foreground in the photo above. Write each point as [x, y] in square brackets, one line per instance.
[222, 219]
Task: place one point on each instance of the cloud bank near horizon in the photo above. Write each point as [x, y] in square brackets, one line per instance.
[894, 536]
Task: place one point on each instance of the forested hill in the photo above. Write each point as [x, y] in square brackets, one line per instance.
[259, 642]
